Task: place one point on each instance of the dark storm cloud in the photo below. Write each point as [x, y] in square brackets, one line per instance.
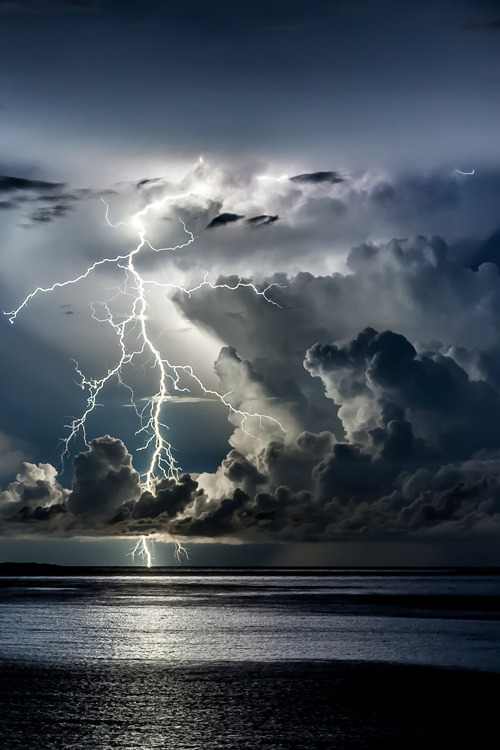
[425, 285]
[59, 204]
[382, 376]
[385, 380]
[15, 184]
[147, 181]
[104, 479]
[242, 472]
[423, 458]
[40, 514]
[392, 481]
[44, 201]
[353, 494]
[462, 508]
[262, 220]
[421, 283]
[223, 219]
[170, 498]
[49, 213]
[421, 421]
[317, 178]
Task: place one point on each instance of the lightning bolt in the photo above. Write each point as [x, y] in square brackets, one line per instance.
[142, 549]
[460, 171]
[133, 325]
[180, 550]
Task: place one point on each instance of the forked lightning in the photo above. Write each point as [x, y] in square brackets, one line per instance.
[142, 549]
[162, 462]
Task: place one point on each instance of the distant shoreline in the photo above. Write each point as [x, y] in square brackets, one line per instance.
[47, 569]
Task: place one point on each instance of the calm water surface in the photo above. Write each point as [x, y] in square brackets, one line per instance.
[447, 620]
[231, 662]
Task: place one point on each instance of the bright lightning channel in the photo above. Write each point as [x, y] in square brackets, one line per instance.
[460, 171]
[142, 549]
[179, 551]
[162, 462]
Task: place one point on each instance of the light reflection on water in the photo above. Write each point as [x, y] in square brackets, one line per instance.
[235, 619]
[465, 585]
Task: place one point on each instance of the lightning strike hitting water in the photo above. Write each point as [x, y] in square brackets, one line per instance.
[146, 554]
[133, 324]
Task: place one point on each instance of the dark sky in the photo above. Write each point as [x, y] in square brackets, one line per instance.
[339, 163]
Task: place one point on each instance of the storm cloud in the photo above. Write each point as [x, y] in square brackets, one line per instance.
[371, 432]
[316, 178]
[40, 200]
[262, 220]
[22, 184]
[365, 427]
[222, 219]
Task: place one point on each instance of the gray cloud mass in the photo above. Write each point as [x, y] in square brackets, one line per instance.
[391, 430]
[43, 201]
[316, 178]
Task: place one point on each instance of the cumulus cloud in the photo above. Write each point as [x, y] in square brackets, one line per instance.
[412, 462]
[104, 479]
[35, 496]
[321, 214]
[380, 381]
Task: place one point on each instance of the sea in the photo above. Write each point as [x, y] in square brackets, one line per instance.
[252, 658]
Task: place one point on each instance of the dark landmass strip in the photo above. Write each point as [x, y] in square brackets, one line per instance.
[246, 706]
[46, 569]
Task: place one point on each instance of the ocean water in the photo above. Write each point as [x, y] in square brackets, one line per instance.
[207, 661]
[446, 620]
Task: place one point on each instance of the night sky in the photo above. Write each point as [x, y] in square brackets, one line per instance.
[339, 163]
